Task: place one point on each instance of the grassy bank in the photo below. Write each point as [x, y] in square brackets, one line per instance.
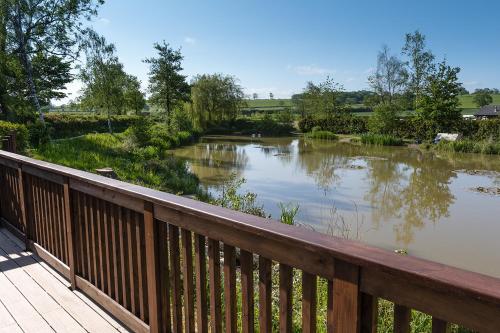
[142, 166]
[381, 140]
[469, 146]
[322, 135]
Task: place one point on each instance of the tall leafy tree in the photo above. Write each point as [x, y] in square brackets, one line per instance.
[420, 64]
[390, 77]
[215, 98]
[168, 87]
[323, 99]
[48, 27]
[482, 97]
[107, 88]
[438, 107]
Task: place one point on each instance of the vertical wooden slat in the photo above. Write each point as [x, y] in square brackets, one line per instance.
[247, 292]
[115, 248]
[166, 321]
[175, 281]
[108, 255]
[124, 254]
[329, 314]
[265, 288]
[215, 289]
[70, 233]
[63, 244]
[93, 241]
[132, 259]
[285, 311]
[402, 318]
[22, 204]
[87, 250]
[187, 273]
[369, 313]
[56, 222]
[51, 220]
[230, 287]
[201, 284]
[152, 268]
[46, 216]
[440, 326]
[346, 298]
[101, 256]
[142, 287]
[309, 292]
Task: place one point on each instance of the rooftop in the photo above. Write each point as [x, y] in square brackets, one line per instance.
[488, 111]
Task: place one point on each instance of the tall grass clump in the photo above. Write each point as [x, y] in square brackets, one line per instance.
[321, 135]
[381, 140]
[469, 146]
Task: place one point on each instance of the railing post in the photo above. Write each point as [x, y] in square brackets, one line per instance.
[13, 142]
[70, 235]
[346, 298]
[152, 268]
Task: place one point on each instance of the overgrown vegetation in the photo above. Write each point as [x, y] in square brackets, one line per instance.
[381, 140]
[469, 146]
[322, 135]
[19, 130]
[147, 166]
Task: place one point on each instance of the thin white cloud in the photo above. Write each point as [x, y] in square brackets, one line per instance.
[350, 79]
[104, 20]
[471, 83]
[369, 70]
[190, 40]
[311, 70]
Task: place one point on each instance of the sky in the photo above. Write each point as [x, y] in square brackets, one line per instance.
[277, 46]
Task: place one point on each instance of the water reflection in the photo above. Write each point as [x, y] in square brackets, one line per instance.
[407, 198]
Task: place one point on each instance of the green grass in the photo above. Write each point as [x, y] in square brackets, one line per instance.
[468, 146]
[268, 103]
[141, 166]
[467, 102]
[322, 135]
[381, 140]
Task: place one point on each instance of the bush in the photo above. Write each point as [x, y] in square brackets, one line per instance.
[265, 126]
[381, 140]
[39, 133]
[384, 119]
[468, 146]
[71, 125]
[20, 130]
[322, 135]
[341, 124]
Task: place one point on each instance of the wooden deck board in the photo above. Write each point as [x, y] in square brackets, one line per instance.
[38, 299]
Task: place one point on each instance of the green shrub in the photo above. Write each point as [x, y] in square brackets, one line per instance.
[71, 125]
[341, 124]
[381, 140]
[469, 146]
[20, 130]
[322, 135]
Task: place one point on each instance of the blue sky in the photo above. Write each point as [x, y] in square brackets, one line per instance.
[277, 46]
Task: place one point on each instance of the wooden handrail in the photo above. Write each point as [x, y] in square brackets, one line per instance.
[93, 207]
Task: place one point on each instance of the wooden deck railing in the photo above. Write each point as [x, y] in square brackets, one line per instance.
[153, 260]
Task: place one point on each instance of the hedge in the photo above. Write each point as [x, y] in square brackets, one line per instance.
[64, 125]
[20, 130]
[408, 128]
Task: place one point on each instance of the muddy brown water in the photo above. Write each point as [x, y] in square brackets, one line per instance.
[396, 198]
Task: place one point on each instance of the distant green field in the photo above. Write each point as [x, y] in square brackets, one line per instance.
[268, 103]
[468, 103]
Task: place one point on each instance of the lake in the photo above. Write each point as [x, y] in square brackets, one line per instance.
[397, 198]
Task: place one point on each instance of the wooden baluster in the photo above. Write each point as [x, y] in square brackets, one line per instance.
[141, 277]
[22, 205]
[329, 312]
[369, 313]
[308, 302]
[402, 318]
[70, 233]
[346, 298]
[152, 268]
[440, 326]
[175, 281]
[265, 288]
[230, 287]
[201, 284]
[215, 291]
[187, 268]
[286, 285]
[166, 320]
[247, 291]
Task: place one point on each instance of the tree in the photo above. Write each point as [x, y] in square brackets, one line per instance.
[48, 27]
[134, 97]
[390, 77]
[255, 96]
[421, 62]
[482, 97]
[323, 99]
[106, 86]
[167, 86]
[438, 104]
[271, 95]
[384, 119]
[215, 98]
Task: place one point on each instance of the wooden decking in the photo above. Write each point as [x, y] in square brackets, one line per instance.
[35, 298]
